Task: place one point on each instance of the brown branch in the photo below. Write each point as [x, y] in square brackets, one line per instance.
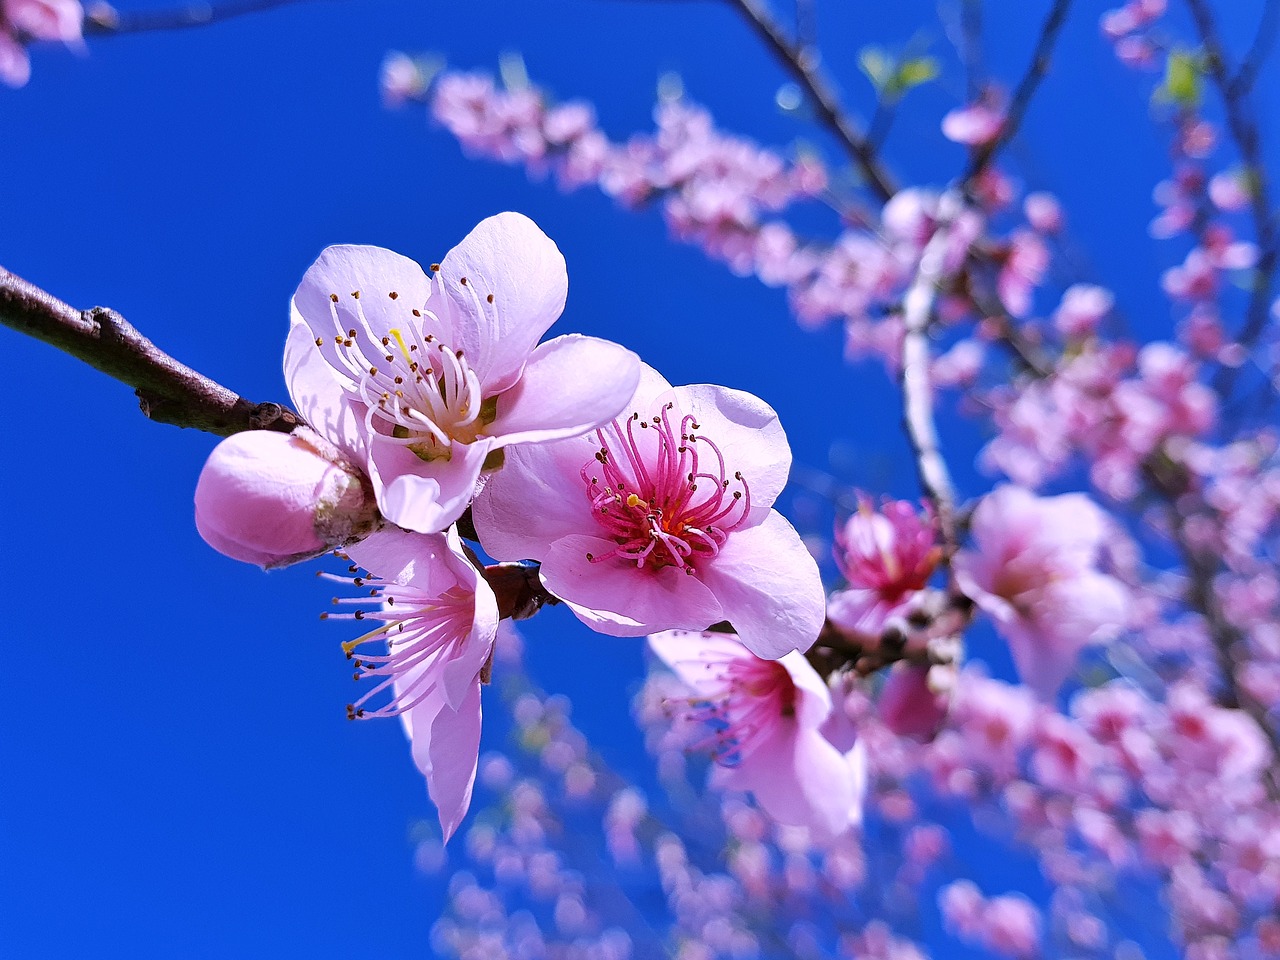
[168, 391]
[104, 20]
[1026, 89]
[1202, 570]
[801, 64]
[1244, 131]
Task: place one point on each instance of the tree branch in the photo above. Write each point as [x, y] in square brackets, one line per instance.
[168, 391]
[1026, 89]
[1244, 131]
[104, 20]
[918, 307]
[802, 66]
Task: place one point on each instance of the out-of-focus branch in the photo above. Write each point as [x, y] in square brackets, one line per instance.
[801, 64]
[970, 43]
[1202, 568]
[918, 308]
[1025, 91]
[168, 391]
[1244, 131]
[104, 20]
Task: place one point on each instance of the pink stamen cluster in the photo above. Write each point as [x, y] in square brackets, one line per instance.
[740, 703]
[416, 628]
[663, 510]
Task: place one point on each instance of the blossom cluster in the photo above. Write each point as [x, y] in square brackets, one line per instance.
[427, 396]
[1186, 579]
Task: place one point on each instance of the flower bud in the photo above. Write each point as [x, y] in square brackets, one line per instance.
[277, 498]
[909, 705]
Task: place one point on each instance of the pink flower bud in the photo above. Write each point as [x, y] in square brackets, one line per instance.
[909, 706]
[277, 498]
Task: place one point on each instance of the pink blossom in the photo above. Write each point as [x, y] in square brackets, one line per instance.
[1043, 212]
[22, 20]
[887, 557]
[421, 380]
[275, 498]
[1031, 570]
[1230, 190]
[401, 79]
[438, 618]
[661, 520]
[1082, 309]
[765, 718]
[974, 125]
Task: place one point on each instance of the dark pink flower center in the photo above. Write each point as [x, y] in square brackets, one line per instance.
[670, 505]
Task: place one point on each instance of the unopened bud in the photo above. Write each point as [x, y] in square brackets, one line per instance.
[909, 704]
[274, 499]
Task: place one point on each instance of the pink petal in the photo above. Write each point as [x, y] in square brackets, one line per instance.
[799, 778]
[688, 653]
[616, 598]
[15, 66]
[421, 495]
[510, 258]
[373, 273]
[446, 746]
[768, 585]
[403, 557]
[535, 499]
[570, 385]
[319, 395]
[815, 696]
[749, 435]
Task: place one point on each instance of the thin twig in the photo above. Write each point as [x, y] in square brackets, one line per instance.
[104, 20]
[1244, 131]
[802, 66]
[1025, 91]
[168, 391]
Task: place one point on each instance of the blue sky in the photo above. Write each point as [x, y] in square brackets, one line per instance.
[178, 775]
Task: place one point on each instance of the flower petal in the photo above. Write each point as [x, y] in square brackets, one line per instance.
[423, 495]
[363, 279]
[799, 778]
[446, 747]
[749, 435]
[403, 557]
[768, 585]
[509, 258]
[617, 598]
[689, 653]
[570, 385]
[319, 393]
[535, 499]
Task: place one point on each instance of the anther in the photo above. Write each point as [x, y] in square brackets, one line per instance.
[355, 294]
[489, 298]
[393, 295]
[333, 297]
[435, 268]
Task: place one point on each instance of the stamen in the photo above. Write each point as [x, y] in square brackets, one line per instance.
[648, 499]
